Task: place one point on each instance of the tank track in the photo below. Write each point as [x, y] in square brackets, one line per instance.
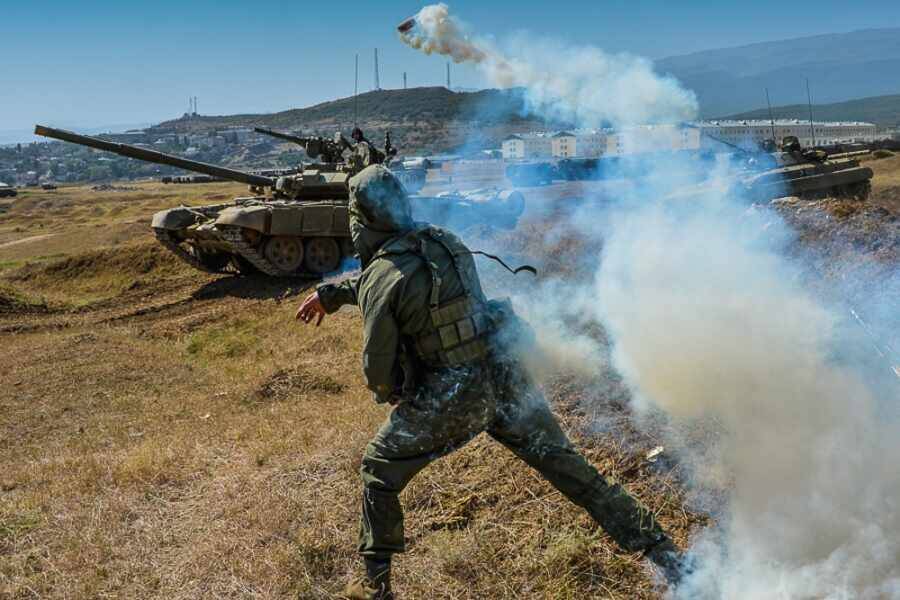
[171, 244]
[233, 236]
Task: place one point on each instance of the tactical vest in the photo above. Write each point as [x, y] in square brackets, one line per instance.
[457, 330]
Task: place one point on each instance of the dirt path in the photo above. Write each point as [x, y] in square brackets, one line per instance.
[33, 238]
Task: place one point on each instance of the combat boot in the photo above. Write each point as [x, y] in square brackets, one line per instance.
[670, 561]
[376, 585]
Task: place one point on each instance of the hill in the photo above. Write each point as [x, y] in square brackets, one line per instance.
[881, 110]
[840, 67]
[426, 119]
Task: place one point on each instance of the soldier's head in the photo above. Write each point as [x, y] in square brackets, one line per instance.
[357, 135]
[379, 209]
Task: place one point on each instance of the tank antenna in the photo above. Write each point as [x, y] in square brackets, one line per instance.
[356, 93]
[771, 118]
[812, 129]
[377, 82]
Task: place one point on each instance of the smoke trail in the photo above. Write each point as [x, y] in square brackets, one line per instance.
[581, 84]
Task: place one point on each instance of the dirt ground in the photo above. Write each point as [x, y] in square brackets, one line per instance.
[170, 434]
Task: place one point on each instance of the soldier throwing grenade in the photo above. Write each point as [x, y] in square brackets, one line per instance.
[446, 358]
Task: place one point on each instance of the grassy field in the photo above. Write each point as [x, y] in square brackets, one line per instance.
[170, 434]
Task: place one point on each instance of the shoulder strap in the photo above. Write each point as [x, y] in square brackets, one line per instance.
[413, 242]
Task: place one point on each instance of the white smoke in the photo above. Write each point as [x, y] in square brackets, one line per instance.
[582, 84]
[710, 322]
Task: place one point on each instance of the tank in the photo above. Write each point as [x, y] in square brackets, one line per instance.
[532, 173]
[289, 226]
[809, 173]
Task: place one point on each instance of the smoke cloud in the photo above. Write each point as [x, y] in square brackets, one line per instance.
[768, 391]
[589, 86]
[709, 322]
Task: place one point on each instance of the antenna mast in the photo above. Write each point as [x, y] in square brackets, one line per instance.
[448, 74]
[404, 80]
[812, 130]
[356, 93]
[771, 118]
[377, 83]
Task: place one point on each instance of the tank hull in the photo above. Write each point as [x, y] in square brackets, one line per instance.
[834, 178]
[305, 239]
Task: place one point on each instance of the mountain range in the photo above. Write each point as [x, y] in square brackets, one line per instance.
[839, 67]
[881, 110]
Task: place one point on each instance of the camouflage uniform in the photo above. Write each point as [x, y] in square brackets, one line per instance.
[442, 404]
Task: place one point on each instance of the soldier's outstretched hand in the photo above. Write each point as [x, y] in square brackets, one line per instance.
[310, 309]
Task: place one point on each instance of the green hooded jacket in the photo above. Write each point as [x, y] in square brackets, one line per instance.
[394, 288]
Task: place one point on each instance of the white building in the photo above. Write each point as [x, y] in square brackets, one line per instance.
[597, 143]
[563, 144]
[749, 134]
[652, 138]
[527, 145]
[592, 143]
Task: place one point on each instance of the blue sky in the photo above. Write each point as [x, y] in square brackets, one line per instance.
[94, 63]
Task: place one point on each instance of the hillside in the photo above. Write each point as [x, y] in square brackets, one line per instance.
[881, 110]
[427, 119]
[840, 67]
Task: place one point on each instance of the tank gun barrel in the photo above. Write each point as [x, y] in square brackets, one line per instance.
[154, 156]
[314, 146]
[283, 136]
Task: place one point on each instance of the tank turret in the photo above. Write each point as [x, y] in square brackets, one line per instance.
[316, 147]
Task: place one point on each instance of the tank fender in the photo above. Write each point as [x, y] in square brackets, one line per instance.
[258, 218]
[174, 219]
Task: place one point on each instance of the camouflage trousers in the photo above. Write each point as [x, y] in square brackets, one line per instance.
[451, 407]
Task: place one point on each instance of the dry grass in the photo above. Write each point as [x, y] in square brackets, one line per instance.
[167, 434]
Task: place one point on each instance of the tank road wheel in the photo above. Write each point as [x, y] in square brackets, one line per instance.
[323, 255]
[285, 252]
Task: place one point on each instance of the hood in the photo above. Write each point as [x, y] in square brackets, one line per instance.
[379, 210]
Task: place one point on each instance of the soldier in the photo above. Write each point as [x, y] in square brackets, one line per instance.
[448, 360]
[364, 153]
[358, 136]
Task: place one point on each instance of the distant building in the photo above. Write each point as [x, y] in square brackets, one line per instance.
[749, 134]
[238, 135]
[527, 145]
[134, 136]
[563, 144]
[597, 143]
[653, 138]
